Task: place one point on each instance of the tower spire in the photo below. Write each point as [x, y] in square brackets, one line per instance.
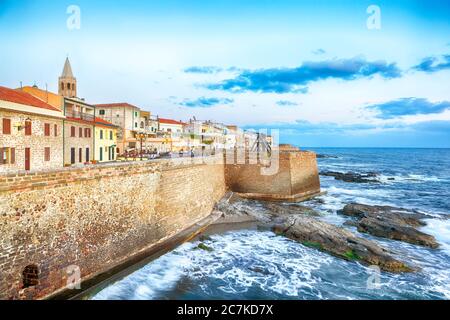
[67, 82]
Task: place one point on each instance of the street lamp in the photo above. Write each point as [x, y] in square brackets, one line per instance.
[141, 137]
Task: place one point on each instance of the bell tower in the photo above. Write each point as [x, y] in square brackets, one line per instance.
[67, 85]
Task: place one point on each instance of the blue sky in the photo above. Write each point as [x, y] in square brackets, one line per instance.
[311, 69]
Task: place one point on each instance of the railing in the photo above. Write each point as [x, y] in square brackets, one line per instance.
[79, 115]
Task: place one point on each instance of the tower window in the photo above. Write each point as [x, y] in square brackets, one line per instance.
[68, 86]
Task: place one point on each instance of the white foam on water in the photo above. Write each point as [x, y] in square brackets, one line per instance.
[239, 261]
[146, 283]
[440, 229]
[411, 178]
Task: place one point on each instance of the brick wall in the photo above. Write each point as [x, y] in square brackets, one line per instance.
[96, 217]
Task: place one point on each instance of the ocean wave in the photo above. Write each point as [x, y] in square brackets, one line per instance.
[440, 229]
[410, 178]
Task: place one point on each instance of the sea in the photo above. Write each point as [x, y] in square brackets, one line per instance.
[249, 263]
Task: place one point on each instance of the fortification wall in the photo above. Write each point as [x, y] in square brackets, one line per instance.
[95, 218]
[296, 178]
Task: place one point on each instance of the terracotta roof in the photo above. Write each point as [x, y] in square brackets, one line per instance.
[118, 104]
[11, 95]
[102, 121]
[98, 121]
[170, 121]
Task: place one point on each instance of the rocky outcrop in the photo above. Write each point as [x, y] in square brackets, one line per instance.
[300, 223]
[338, 242]
[390, 222]
[368, 177]
[325, 156]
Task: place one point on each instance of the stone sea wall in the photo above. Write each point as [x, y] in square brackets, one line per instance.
[94, 218]
[296, 178]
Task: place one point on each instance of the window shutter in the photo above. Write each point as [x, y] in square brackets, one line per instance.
[28, 128]
[47, 154]
[56, 130]
[72, 131]
[47, 129]
[80, 132]
[13, 156]
[6, 126]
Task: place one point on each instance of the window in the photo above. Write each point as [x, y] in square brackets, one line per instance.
[87, 155]
[102, 112]
[6, 126]
[142, 124]
[47, 129]
[30, 276]
[110, 135]
[72, 155]
[80, 155]
[135, 113]
[80, 132]
[101, 134]
[68, 86]
[135, 124]
[47, 154]
[7, 156]
[101, 154]
[72, 131]
[55, 130]
[28, 127]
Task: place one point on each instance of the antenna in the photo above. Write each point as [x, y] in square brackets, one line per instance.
[21, 85]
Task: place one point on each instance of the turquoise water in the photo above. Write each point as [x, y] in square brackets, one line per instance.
[252, 264]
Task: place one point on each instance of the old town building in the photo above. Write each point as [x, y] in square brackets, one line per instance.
[31, 133]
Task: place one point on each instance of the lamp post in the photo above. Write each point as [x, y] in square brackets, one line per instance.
[141, 138]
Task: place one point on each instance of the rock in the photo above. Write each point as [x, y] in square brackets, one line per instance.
[298, 222]
[325, 156]
[204, 247]
[398, 215]
[338, 242]
[390, 222]
[385, 229]
[236, 209]
[352, 177]
[287, 209]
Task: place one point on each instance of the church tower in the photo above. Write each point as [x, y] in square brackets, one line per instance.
[67, 82]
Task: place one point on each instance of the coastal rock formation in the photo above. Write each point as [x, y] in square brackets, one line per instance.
[300, 223]
[325, 156]
[368, 177]
[390, 222]
[339, 242]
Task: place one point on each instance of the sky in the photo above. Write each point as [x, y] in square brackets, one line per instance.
[324, 73]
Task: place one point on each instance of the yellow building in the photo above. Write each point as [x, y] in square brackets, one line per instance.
[51, 98]
[105, 141]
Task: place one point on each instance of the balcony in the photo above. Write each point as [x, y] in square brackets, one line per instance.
[80, 115]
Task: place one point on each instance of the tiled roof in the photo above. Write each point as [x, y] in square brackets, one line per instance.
[20, 97]
[170, 121]
[98, 121]
[119, 104]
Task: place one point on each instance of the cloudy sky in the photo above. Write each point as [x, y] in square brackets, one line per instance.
[312, 69]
